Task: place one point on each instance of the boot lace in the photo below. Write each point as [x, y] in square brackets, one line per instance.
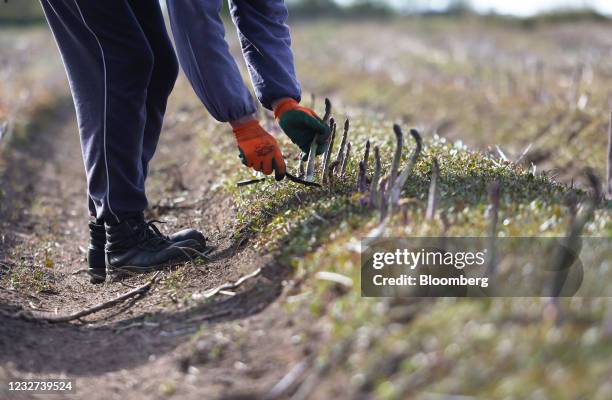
[151, 235]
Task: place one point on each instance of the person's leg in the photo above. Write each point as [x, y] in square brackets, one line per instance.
[266, 44]
[163, 77]
[205, 58]
[109, 64]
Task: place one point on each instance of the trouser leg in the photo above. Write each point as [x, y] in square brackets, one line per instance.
[266, 44]
[109, 63]
[206, 60]
[163, 76]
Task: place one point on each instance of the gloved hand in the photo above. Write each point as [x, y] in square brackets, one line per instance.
[259, 150]
[302, 124]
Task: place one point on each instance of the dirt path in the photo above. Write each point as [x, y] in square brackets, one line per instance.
[165, 343]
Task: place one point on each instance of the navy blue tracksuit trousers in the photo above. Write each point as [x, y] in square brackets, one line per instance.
[121, 67]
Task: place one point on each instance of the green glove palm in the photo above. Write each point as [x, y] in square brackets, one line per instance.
[302, 125]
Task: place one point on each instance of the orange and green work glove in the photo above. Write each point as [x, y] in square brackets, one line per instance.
[259, 150]
[302, 124]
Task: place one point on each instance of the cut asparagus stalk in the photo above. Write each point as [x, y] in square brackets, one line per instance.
[366, 155]
[312, 154]
[340, 155]
[328, 110]
[494, 192]
[375, 178]
[361, 179]
[330, 149]
[399, 183]
[609, 177]
[382, 194]
[399, 138]
[346, 159]
[330, 176]
[432, 199]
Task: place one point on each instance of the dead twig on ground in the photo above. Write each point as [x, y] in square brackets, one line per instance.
[44, 317]
[227, 286]
[335, 278]
[285, 385]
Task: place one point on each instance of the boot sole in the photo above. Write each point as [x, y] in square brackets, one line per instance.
[97, 277]
[125, 271]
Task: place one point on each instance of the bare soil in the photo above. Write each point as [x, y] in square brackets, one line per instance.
[161, 344]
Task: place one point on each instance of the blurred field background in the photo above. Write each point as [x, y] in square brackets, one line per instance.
[523, 100]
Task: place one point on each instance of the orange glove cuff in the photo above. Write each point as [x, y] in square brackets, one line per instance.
[291, 104]
[249, 130]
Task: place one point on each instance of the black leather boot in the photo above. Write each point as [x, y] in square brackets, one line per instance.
[96, 258]
[95, 252]
[135, 246]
